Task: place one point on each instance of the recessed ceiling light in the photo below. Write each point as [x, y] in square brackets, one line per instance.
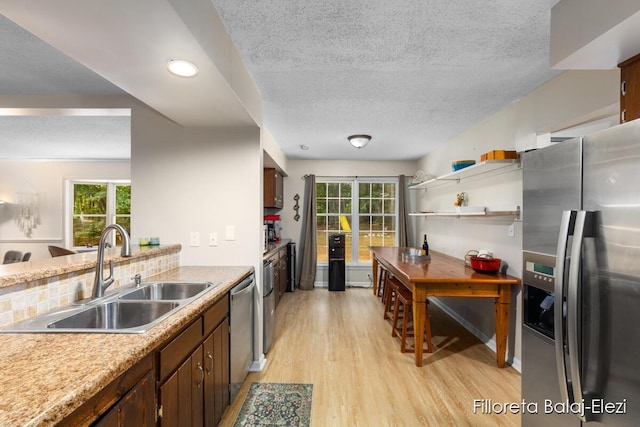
[182, 68]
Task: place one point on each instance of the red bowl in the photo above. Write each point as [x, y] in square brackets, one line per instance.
[485, 265]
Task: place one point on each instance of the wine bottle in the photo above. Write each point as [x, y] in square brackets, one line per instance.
[425, 246]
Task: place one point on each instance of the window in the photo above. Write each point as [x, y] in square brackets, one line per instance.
[94, 205]
[367, 216]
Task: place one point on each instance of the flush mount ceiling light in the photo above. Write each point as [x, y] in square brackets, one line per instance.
[359, 141]
[182, 68]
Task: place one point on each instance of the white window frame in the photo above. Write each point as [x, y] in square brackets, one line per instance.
[111, 206]
[355, 215]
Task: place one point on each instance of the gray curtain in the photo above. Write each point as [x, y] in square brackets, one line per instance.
[307, 267]
[403, 214]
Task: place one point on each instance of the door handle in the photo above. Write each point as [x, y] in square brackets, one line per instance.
[566, 229]
[583, 228]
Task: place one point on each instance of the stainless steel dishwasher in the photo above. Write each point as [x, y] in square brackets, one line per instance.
[241, 331]
[268, 306]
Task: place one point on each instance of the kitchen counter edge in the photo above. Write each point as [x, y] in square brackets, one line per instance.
[47, 376]
[274, 247]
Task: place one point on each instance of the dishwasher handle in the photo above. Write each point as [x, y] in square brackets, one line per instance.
[245, 287]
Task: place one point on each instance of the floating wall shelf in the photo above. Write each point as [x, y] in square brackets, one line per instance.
[482, 168]
[487, 213]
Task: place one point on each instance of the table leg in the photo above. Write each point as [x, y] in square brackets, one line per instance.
[502, 323]
[419, 313]
[375, 276]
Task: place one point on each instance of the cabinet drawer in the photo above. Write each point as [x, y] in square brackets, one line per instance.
[179, 349]
[215, 315]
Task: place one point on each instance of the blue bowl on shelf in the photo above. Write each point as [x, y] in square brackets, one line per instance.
[461, 164]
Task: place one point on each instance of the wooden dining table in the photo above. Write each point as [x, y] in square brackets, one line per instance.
[446, 276]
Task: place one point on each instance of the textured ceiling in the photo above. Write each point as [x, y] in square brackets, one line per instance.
[32, 67]
[411, 73]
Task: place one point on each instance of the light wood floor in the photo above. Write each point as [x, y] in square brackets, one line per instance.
[339, 342]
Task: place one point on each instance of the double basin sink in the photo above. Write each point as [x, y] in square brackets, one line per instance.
[129, 310]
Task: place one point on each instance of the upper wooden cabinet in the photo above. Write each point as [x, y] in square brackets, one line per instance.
[630, 89]
[273, 188]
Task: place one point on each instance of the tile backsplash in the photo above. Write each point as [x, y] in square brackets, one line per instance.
[29, 299]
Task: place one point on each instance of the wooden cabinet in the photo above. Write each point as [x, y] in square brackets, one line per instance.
[276, 277]
[273, 188]
[136, 408]
[192, 374]
[284, 272]
[194, 371]
[216, 379]
[630, 89]
[127, 401]
[280, 262]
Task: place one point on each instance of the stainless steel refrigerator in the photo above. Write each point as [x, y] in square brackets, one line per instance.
[581, 293]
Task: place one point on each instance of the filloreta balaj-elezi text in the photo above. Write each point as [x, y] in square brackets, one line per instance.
[593, 406]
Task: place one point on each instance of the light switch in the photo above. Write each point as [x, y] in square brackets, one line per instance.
[230, 232]
[194, 239]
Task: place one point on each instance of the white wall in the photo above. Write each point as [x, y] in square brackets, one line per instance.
[46, 178]
[294, 184]
[200, 180]
[197, 180]
[569, 99]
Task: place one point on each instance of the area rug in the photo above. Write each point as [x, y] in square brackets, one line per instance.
[276, 404]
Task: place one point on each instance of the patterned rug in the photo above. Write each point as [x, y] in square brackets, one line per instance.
[276, 404]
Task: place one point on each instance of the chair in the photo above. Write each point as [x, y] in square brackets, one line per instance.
[12, 256]
[389, 294]
[58, 251]
[382, 278]
[405, 297]
[26, 257]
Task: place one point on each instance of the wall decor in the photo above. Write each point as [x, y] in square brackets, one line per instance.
[27, 213]
[296, 207]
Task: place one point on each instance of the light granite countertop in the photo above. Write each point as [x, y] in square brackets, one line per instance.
[20, 272]
[46, 376]
[274, 247]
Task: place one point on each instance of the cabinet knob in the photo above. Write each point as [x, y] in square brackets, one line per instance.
[623, 88]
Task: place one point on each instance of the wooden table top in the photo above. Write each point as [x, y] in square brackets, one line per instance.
[439, 269]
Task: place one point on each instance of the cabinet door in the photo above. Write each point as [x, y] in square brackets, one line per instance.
[276, 282]
[273, 189]
[181, 396]
[630, 98]
[136, 408]
[210, 402]
[216, 359]
[279, 199]
[221, 368]
[197, 387]
[284, 273]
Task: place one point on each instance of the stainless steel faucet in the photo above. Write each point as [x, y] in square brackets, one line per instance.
[100, 284]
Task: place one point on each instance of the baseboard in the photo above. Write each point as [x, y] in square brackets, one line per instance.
[348, 284]
[488, 341]
[258, 365]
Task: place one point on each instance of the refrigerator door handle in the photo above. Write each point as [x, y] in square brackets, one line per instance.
[582, 227]
[566, 229]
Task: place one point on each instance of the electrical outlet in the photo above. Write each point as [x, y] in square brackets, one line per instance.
[194, 239]
[213, 239]
[512, 231]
